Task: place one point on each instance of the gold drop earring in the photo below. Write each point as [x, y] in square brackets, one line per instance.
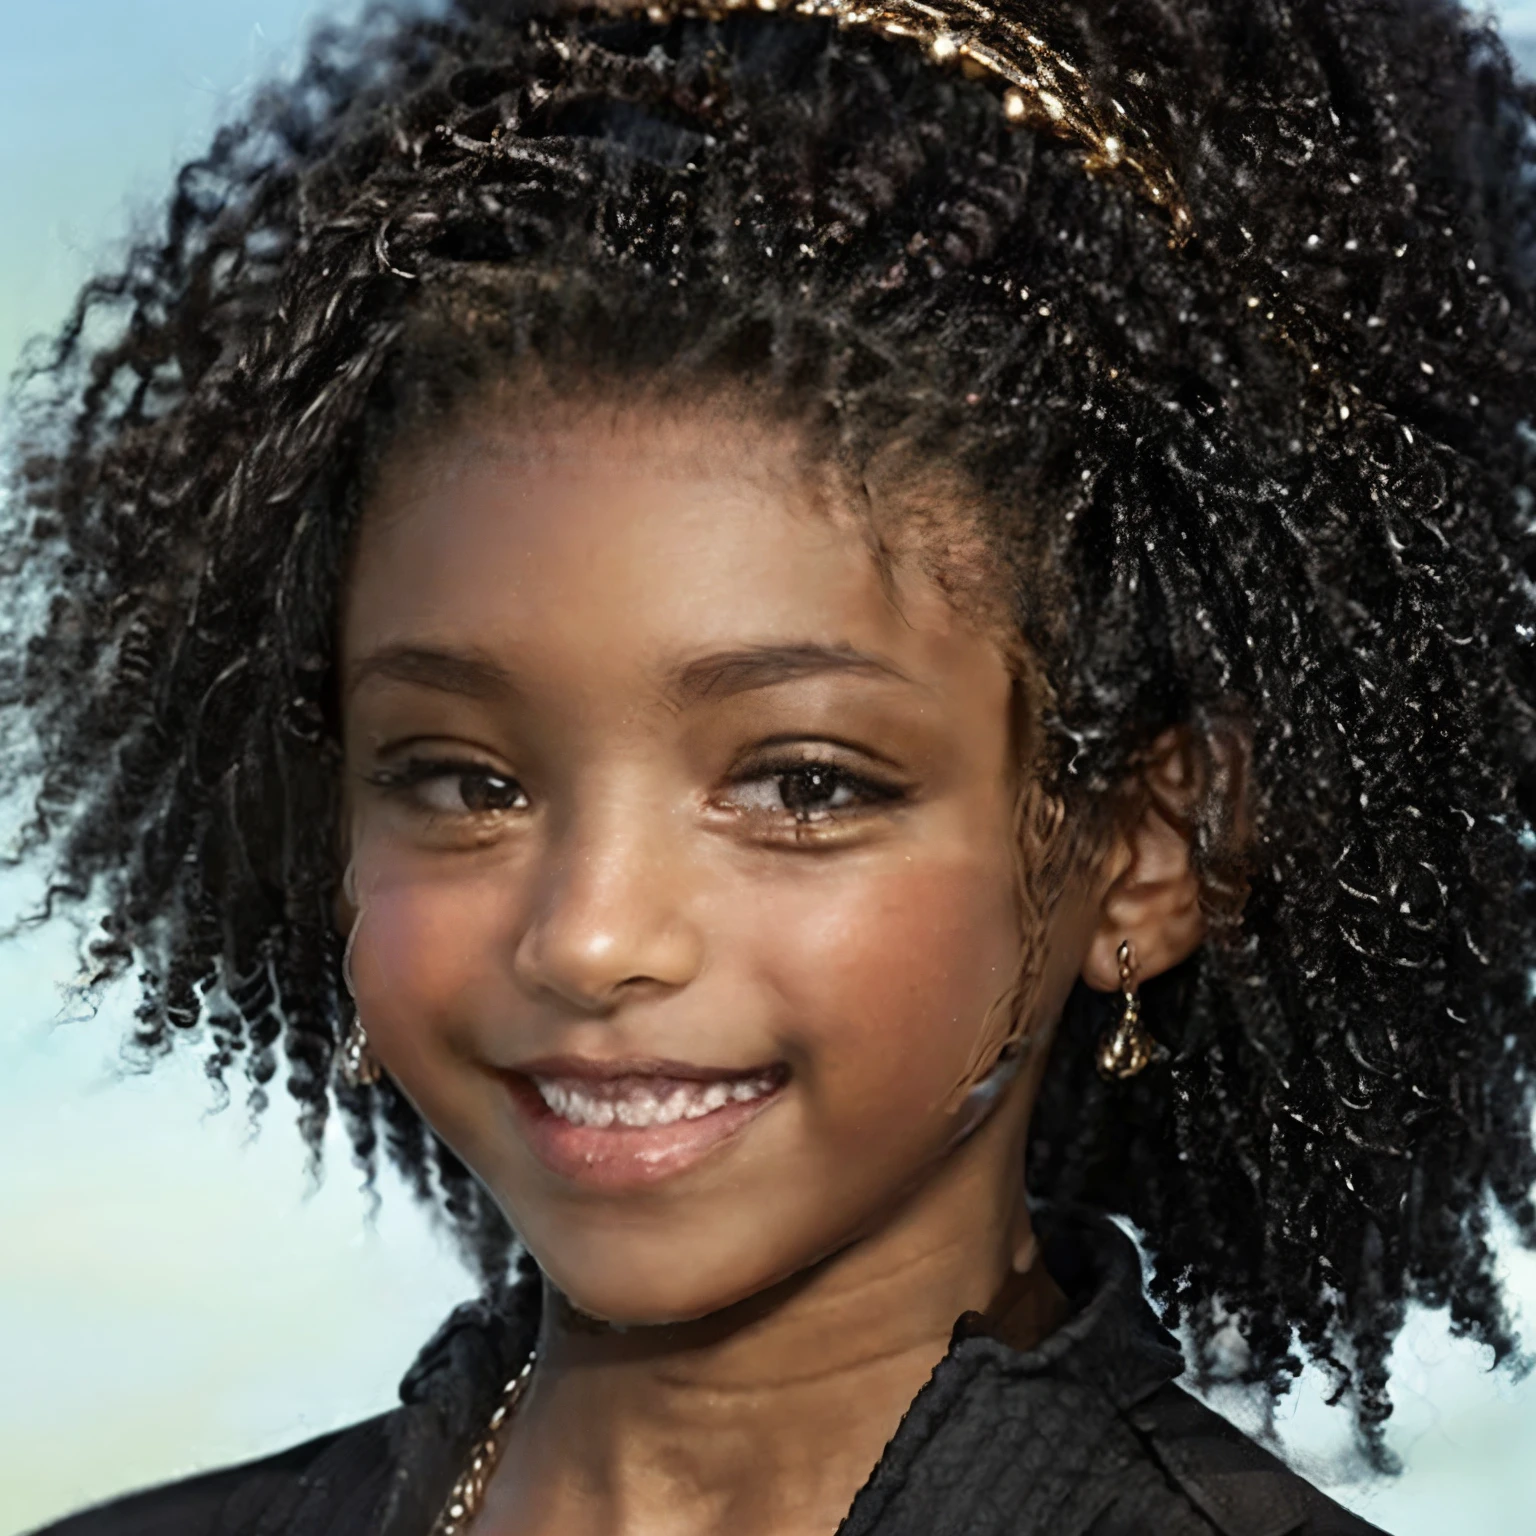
[356, 1064]
[1128, 1049]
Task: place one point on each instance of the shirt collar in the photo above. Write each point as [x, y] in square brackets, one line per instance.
[1113, 1340]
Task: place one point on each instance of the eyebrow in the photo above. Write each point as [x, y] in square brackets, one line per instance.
[466, 672]
[720, 675]
[727, 673]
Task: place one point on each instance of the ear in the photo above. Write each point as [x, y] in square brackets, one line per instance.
[1152, 892]
[344, 899]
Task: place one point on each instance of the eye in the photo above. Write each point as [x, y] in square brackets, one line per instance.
[806, 792]
[445, 787]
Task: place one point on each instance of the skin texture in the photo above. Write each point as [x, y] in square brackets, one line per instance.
[609, 872]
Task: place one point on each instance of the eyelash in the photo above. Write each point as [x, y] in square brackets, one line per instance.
[404, 780]
[868, 792]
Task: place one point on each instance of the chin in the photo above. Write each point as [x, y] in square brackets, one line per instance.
[647, 1285]
[627, 1299]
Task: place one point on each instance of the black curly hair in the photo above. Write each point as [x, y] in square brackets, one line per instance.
[1280, 472]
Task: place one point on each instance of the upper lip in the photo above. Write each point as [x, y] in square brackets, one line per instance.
[603, 1069]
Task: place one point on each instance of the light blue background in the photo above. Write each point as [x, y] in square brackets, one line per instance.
[174, 1291]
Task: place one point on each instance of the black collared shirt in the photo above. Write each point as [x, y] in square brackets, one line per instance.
[1085, 1434]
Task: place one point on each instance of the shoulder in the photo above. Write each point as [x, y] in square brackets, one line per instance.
[1201, 1474]
[300, 1490]
[1150, 1459]
[386, 1476]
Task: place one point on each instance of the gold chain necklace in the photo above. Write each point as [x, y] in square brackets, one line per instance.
[466, 1495]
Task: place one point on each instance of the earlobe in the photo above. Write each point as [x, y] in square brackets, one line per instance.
[1153, 897]
[1160, 917]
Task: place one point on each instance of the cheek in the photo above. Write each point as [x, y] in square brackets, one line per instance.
[424, 946]
[887, 982]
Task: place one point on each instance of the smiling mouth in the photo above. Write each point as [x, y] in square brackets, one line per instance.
[624, 1125]
[640, 1101]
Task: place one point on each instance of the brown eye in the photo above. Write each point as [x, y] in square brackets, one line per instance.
[481, 793]
[814, 789]
[807, 792]
[453, 788]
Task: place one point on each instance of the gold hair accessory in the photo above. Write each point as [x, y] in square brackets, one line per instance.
[1128, 1049]
[1044, 90]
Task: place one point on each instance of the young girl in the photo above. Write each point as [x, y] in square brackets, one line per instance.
[735, 630]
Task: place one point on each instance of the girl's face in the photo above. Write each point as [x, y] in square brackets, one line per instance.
[682, 840]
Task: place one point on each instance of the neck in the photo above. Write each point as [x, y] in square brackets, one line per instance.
[769, 1415]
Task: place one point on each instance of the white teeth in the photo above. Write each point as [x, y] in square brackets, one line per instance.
[634, 1102]
[640, 1110]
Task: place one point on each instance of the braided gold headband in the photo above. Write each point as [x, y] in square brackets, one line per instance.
[1044, 90]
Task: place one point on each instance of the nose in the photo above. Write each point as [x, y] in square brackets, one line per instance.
[607, 916]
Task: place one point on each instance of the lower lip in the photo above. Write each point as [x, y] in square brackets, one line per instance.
[618, 1157]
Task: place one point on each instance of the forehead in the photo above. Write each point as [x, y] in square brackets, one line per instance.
[635, 536]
